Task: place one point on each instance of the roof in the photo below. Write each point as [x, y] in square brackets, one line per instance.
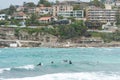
[44, 18]
[45, 7]
[19, 14]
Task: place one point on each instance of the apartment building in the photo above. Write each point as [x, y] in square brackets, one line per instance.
[61, 7]
[42, 10]
[74, 13]
[31, 10]
[102, 15]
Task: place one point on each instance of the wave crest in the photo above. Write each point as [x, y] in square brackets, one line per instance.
[74, 76]
[27, 67]
[4, 69]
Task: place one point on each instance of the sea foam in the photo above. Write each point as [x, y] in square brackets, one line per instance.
[27, 67]
[74, 76]
[4, 69]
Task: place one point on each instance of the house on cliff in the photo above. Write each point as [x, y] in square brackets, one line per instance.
[45, 19]
[20, 16]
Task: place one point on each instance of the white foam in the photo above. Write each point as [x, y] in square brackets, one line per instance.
[4, 69]
[28, 67]
[74, 76]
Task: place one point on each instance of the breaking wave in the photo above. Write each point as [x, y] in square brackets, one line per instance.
[74, 76]
[27, 67]
[4, 69]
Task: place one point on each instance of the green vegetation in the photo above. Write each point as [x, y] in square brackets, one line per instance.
[3, 22]
[107, 37]
[14, 22]
[76, 7]
[32, 21]
[72, 19]
[97, 3]
[4, 11]
[30, 31]
[111, 36]
[63, 31]
[60, 17]
[30, 4]
[96, 34]
[69, 31]
[44, 2]
[11, 10]
[118, 16]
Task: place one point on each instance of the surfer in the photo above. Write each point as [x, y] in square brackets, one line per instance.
[70, 62]
[52, 62]
[39, 64]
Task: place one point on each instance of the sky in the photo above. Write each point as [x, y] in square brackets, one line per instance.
[7, 3]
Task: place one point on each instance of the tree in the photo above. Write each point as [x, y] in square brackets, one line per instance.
[30, 4]
[74, 30]
[32, 21]
[76, 7]
[60, 17]
[72, 19]
[41, 1]
[14, 21]
[44, 2]
[47, 4]
[2, 22]
[11, 10]
[118, 16]
[97, 3]
[57, 2]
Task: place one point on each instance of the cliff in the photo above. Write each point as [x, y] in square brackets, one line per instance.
[23, 37]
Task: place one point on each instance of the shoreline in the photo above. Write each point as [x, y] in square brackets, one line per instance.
[67, 44]
[62, 47]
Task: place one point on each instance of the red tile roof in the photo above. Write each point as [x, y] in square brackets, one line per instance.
[44, 18]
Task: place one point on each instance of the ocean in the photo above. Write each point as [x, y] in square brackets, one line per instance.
[87, 64]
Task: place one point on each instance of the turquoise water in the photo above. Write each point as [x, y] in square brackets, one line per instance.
[87, 64]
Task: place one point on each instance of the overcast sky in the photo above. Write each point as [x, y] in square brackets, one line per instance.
[7, 3]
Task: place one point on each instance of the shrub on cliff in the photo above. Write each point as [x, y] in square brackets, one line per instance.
[69, 31]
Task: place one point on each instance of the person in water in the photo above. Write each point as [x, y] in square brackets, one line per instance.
[39, 64]
[52, 62]
[70, 62]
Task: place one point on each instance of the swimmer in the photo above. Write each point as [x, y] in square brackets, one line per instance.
[70, 62]
[39, 64]
[52, 62]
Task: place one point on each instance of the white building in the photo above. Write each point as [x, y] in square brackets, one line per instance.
[2, 16]
[44, 10]
[61, 7]
[20, 16]
[75, 14]
[102, 15]
[13, 45]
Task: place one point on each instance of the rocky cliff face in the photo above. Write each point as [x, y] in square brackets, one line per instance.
[36, 38]
[27, 39]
